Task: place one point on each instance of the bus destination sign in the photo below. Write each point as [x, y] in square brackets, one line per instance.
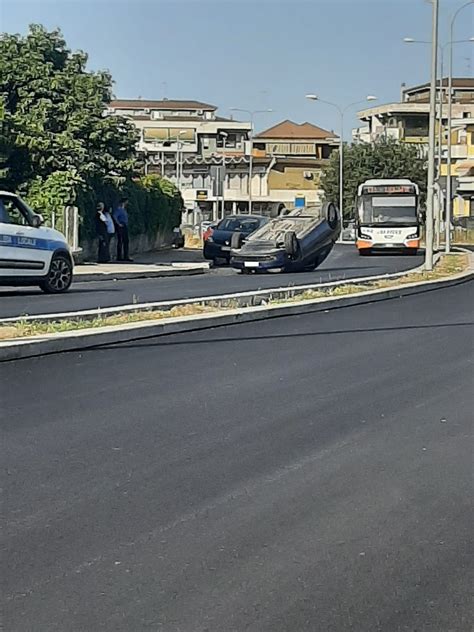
[382, 188]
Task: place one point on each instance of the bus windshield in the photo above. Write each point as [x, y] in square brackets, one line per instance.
[388, 209]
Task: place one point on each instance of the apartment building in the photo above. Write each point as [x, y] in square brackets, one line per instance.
[209, 157]
[408, 122]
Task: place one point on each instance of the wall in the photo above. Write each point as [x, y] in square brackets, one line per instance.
[292, 178]
[138, 244]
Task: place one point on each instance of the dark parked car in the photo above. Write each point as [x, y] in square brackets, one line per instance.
[231, 232]
[300, 240]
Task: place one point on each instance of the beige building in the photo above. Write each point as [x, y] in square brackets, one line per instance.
[463, 152]
[298, 153]
[407, 120]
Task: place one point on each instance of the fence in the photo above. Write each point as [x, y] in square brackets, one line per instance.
[68, 223]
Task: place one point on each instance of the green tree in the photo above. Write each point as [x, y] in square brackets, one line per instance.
[52, 194]
[54, 112]
[385, 158]
[56, 145]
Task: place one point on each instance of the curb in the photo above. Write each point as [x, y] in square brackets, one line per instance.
[143, 274]
[92, 338]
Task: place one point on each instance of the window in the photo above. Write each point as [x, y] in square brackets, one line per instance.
[386, 209]
[12, 213]
[416, 125]
[230, 141]
[168, 134]
[243, 225]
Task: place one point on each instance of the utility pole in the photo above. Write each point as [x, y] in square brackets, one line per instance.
[431, 139]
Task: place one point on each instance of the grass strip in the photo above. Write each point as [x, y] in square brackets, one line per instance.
[447, 266]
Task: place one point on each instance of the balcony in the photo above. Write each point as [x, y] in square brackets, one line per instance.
[465, 185]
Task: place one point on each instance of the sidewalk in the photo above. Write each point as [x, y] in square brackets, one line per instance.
[163, 263]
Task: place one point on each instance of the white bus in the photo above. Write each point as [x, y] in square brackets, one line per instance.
[387, 216]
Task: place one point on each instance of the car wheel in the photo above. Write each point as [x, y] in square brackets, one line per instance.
[363, 252]
[59, 276]
[236, 241]
[292, 246]
[413, 252]
[331, 214]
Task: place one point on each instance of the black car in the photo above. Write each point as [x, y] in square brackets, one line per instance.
[300, 240]
[231, 232]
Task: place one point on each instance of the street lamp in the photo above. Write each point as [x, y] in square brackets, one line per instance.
[450, 103]
[341, 110]
[251, 113]
[224, 138]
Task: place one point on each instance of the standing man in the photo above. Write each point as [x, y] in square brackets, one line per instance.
[120, 216]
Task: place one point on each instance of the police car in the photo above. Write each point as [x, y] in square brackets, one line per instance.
[31, 254]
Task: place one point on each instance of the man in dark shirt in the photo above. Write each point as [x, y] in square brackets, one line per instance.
[120, 216]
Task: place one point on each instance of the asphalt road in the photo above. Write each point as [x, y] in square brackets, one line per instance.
[299, 474]
[343, 262]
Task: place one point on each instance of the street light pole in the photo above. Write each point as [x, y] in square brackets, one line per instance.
[450, 104]
[251, 113]
[431, 139]
[342, 111]
[341, 171]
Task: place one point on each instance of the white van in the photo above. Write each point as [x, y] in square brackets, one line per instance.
[31, 254]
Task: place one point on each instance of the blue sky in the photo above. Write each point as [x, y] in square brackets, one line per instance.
[253, 53]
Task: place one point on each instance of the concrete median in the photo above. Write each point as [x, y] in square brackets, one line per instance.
[19, 348]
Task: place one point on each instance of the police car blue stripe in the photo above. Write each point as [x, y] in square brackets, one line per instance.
[31, 243]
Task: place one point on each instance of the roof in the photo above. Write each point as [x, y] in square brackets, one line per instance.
[457, 82]
[407, 107]
[290, 130]
[386, 181]
[162, 104]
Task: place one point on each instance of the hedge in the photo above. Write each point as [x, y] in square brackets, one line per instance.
[154, 203]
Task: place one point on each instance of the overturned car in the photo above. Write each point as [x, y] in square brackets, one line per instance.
[300, 240]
